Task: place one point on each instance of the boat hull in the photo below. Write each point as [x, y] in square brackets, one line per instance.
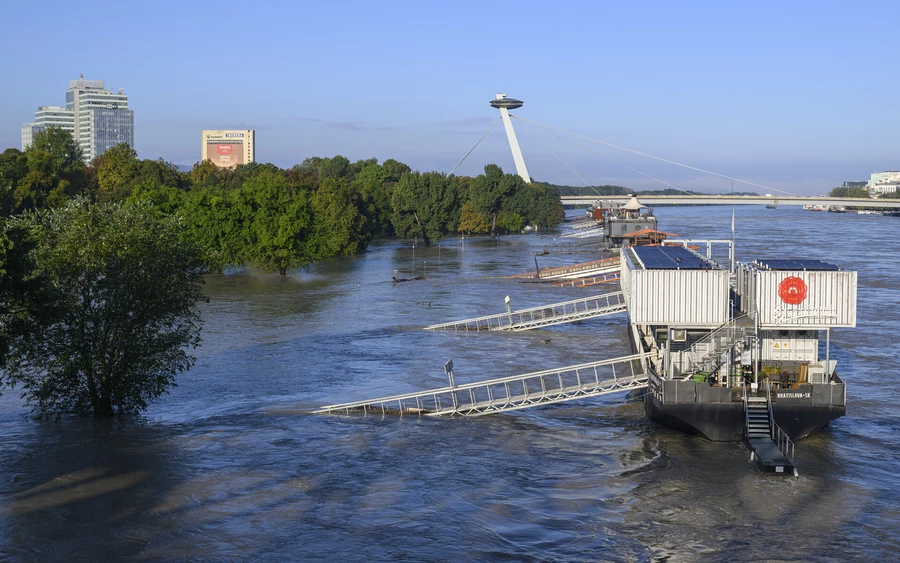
[724, 422]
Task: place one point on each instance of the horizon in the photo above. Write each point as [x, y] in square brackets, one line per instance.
[779, 95]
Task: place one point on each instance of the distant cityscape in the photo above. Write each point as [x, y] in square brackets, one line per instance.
[99, 119]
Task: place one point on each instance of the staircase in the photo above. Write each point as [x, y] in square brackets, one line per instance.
[758, 418]
[718, 342]
[770, 447]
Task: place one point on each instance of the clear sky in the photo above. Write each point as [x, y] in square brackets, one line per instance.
[799, 96]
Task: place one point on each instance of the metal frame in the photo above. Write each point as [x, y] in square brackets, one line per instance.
[545, 315]
[511, 393]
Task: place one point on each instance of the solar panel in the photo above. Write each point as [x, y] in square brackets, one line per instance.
[670, 258]
[800, 264]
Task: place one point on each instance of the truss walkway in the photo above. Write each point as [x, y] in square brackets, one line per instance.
[510, 393]
[545, 315]
[580, 270]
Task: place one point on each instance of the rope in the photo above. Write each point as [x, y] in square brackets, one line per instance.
[655, 157]
[473, 147]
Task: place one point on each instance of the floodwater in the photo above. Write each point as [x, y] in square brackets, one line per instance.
[231, 466]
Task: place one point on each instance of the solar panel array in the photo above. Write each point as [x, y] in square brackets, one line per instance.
[809, 265]
[670, 258]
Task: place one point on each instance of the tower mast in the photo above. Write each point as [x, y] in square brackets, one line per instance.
[505, 104]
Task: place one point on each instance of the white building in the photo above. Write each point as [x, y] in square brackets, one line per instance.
[27, 135]
[102, 118]
[884, 182]
[48, 116]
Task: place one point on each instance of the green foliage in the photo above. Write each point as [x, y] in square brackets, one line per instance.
[277, 222]
[337, 225]
[488, 191]
[124, 284]
[510, 221]
[54, 172]
[13, 168]
[425, 205]
[116, 171]
[849, 192]
[472, 221]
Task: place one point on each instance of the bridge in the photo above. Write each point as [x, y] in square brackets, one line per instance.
[659, 200]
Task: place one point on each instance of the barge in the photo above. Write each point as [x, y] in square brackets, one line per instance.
[727, 341]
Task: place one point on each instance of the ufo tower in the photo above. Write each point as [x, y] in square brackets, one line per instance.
[505, 104]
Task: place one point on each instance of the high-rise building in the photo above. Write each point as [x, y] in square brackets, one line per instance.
[27, 135]
[48, 116]
[228, 148]
[101, 118]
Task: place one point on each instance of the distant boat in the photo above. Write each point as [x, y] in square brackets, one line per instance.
[772, 204]
[837, 209]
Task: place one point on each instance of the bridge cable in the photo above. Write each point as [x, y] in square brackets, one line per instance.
[572, 170]
[610, 159]
[473, 147]
[655, 157]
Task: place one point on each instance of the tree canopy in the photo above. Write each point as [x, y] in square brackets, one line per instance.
[121, 285]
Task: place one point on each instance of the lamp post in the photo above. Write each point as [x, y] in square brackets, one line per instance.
[426, 269]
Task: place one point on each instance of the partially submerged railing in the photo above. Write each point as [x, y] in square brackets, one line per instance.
[545, 315]
[510, 393]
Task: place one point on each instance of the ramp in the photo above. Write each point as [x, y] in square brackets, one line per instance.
[545, 315]
[573, 271]
[510, 393]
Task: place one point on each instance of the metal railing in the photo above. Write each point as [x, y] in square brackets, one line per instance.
[779, 436]
[545, 315]
[510, 393]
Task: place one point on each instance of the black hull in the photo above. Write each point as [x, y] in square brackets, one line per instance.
[725, 422]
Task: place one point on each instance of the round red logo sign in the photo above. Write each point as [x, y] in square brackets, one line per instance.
[792, 290]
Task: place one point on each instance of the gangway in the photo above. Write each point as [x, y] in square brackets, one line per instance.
[510, 393]
[585, 233]
[769, 445]
[545, 315]
[580, 270]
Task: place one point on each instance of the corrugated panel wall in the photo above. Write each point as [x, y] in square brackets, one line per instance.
[830, 300]
[679, 297]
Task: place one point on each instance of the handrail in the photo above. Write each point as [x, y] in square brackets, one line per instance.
[779, 436]
[746, 410]
[590, 306]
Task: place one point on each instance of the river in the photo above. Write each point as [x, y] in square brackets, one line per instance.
[231, 466]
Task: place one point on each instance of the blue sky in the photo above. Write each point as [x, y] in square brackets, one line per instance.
[799, 96]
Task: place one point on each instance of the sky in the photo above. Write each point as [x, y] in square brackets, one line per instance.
[795, 96]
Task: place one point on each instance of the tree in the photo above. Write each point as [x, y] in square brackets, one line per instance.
[277, 222]
[337, 224]
[54, 172]
[425, 205]
[124, 284]
[472, 221]
[489, 189]
[849, 192]
[116, 169]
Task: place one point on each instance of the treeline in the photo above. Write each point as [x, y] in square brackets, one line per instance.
[610, 190]
[273, 218]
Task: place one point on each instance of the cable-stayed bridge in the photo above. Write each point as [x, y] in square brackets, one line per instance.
[657, 200]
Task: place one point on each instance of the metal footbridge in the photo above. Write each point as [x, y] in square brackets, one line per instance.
[545, 315]
[510, 393]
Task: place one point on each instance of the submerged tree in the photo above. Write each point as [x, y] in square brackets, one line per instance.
[123, 285]
[425, 205]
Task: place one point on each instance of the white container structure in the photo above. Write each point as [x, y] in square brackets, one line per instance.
[797, 294]
[674, 286]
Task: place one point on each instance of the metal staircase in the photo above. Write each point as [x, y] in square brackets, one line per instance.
[757, 418]
[718, 342]
[770, 447]
[510, 393]
[545, 315]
